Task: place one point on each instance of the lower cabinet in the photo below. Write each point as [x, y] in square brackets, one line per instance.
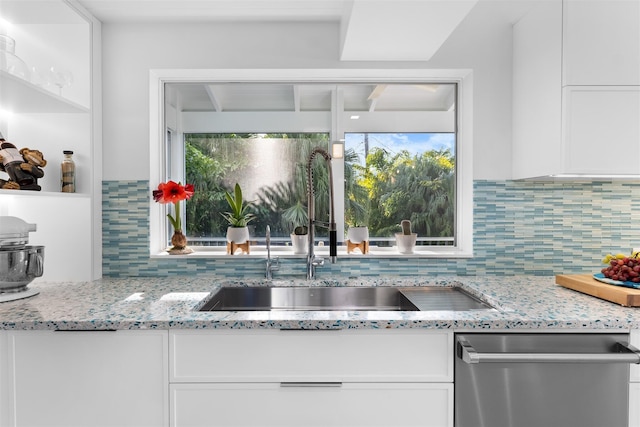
[87, 378]
[316, 378]
[4, 380]
[288, 405]
[634, 404]
[634, 385]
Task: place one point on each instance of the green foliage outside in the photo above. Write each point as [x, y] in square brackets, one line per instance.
[392, 187]
[420, 188]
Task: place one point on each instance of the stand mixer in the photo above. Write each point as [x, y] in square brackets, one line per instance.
[19, 262]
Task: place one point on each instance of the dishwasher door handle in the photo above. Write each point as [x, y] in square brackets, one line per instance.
[623, 353]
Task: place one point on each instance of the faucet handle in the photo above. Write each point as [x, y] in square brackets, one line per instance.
[317, 261]
[275, 263]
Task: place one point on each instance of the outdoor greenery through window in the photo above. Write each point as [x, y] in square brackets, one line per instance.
[270, 168]
[395, 176]
[387, 178]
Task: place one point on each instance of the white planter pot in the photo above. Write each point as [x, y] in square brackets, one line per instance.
[358, 234]
[237, 234]
[406, 242]
[300, 243]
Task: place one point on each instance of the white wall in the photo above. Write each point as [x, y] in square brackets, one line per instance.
[131, 50]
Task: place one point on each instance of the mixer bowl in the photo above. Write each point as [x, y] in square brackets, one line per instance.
[18, 267]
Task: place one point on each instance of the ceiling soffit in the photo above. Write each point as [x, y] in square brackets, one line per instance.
[399, 30]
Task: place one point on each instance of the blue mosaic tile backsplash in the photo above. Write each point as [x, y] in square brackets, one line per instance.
[520, 227]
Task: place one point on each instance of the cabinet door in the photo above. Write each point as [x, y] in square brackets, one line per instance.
[266, 405]
[634, 340]
[4, 381]
[602, 130]
[634, 405]
[88, 378]
[601, 42]
[356, 355]
[634, 385]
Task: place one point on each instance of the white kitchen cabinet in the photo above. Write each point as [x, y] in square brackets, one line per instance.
[40, 116]
[602, 129]
[601, 42]
[94, 378]
[4, 380]
[589, 129]
[634, 404]
[357, 377]
[634, 385]
[350, 404]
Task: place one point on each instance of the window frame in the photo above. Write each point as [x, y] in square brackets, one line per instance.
[158, 233]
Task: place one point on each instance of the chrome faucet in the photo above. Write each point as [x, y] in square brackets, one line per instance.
[312, 260]
[272, 264]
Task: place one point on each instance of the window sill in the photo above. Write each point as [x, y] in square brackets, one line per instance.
[260, 252]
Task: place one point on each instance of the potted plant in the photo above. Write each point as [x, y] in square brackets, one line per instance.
[357, 215]
[406, 240]
[358, 238]
[172, 192]
[300, 239]
[358, 233]
[295, 218]
[238, 218]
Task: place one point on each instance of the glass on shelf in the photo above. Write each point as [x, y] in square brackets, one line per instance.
[60, 78]
[41, 78]
[9, 62]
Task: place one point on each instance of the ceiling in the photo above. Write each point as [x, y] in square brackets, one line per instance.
[375, 30]
[214, 10]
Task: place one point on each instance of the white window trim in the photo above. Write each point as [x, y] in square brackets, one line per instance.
[464, 150]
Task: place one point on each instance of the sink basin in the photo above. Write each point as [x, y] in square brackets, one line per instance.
[376, 298]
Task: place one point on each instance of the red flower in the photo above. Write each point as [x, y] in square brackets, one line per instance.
[172, 192]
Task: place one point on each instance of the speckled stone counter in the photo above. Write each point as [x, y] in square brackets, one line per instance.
[152, 303]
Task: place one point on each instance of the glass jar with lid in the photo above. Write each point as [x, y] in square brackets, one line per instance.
[9, 62]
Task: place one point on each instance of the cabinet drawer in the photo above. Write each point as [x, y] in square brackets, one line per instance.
[351, 405]
[355, 355]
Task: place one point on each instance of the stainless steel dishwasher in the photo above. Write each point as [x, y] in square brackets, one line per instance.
[542, 380]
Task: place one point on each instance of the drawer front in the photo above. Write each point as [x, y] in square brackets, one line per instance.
[353, 405]
[356, 355]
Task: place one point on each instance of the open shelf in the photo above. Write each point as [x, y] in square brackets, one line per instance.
[29, 193]
[20, 96]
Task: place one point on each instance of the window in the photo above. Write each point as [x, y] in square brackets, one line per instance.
[407, 152]
[396, 176]
[271, 170]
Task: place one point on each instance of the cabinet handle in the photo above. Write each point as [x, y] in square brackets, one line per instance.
[311, 384]
[622, 353]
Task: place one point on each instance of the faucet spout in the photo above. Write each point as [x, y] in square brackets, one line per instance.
[272, 264]
[312, 260]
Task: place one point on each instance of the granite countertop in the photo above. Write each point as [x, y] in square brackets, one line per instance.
[168, 303]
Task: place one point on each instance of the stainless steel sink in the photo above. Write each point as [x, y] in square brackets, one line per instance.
[377, 298]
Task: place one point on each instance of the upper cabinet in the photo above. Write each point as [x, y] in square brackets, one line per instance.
[576, 89]
[50, 101]
[601, 42]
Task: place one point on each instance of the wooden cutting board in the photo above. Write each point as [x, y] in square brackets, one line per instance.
[585, 283]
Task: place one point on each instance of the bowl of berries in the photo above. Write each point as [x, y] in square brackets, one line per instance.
[621, 270]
